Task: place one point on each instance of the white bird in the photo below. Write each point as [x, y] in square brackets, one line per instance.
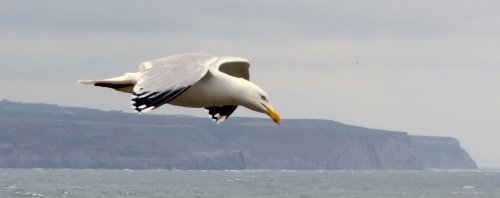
[218, 84]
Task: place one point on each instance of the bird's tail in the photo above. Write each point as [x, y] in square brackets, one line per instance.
[87, 82]
[123, 83]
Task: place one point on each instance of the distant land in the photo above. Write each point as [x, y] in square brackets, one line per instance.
[51, 136]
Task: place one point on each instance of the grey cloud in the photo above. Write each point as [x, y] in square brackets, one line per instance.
[229, 19]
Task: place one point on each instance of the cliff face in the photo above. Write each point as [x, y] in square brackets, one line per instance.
[316, 144]
[441, 153]
[49, 136]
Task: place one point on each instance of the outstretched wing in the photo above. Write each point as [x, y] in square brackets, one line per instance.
[166, 78]
[234, 66]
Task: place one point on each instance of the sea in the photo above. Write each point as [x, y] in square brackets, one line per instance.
[97, 183]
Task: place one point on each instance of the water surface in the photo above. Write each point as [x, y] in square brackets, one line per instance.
[249, 183]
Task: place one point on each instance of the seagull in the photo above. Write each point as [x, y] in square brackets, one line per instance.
[217, 83]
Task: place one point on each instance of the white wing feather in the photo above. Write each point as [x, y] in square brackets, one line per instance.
[166, 78]
[234, 66]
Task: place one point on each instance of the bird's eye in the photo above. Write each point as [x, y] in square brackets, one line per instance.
[263, 98]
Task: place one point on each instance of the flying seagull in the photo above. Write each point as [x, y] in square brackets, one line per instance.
[217, 83]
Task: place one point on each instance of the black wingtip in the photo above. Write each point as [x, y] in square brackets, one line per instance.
[147, 101]
[219, 114]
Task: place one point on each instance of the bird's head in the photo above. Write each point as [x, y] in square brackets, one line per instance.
[256, 99]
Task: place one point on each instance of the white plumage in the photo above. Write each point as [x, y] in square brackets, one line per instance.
[218, 84]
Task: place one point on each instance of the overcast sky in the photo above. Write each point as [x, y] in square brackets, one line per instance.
[423, 67]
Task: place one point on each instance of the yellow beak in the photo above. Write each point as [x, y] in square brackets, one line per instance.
[273, 114]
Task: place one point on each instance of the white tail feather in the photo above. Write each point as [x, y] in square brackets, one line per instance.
[86, 82]
[123, 83]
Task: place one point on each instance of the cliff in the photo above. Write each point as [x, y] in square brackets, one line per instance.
[50, 136]
[441, 153]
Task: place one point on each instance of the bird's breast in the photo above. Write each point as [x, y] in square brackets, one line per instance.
[208, 91]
